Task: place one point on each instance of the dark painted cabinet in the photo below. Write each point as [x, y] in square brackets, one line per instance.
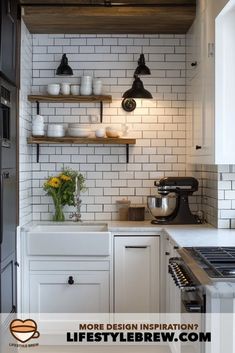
[8, 27]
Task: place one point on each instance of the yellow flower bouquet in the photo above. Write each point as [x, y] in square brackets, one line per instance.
[62, 189]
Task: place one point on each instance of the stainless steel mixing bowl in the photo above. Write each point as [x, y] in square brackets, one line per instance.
[162, 205]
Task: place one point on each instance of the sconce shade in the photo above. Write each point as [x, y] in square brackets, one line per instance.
[137, 90]
[142, 69]
[64, 69]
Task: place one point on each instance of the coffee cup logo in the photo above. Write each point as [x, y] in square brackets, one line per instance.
[24, 330]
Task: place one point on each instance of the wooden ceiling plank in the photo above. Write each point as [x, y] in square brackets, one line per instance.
[103, 20]
[94, 2]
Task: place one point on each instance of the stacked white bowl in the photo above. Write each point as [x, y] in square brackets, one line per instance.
[79, 130]
[38, 125]
[86, 85]
[97, 86]
[53, 89]
[55, 130]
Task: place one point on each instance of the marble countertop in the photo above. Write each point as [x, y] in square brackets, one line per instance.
[182, 235]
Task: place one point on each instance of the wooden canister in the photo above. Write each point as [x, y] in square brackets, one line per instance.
[136, 213]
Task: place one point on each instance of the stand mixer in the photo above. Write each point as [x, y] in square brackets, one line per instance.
[171, 205]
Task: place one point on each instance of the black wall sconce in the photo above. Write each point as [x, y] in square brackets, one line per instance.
[64, 69]
[142, 69]
[137, 90]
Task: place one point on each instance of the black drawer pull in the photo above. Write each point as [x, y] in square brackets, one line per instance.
[198, 147]
[135, 247]
[167, 253]
[70, 280]
[194, 64]
[6, 175]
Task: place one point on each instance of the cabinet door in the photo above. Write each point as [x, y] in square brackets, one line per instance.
[207, 122]
[8, 39]
[201, 125]
[136, 267]
[8, 286]
[88, 292]
[197, 87]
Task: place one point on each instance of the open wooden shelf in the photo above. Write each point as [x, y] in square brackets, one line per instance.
[82, 141]
[39, 98]
[68, 99]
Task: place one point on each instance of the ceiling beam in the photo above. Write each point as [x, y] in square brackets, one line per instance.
[108, 20]
[114, 2]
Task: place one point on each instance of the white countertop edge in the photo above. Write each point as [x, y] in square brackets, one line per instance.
[182, 235]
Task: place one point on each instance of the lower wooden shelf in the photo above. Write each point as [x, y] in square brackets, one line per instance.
[82, 141]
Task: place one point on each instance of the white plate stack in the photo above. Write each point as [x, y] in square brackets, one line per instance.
[86, 85]
[38, 126]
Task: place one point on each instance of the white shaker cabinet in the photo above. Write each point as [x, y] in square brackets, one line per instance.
[225, 85]
[69, 292]
[202, 144]
[136, 274]
[66, 272]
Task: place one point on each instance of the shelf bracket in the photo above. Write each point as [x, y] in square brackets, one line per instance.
[38, 147]
[38, 152]
[101, 111]
[127, 153]
[38, 107]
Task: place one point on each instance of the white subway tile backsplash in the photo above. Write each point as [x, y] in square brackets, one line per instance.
[157, 124]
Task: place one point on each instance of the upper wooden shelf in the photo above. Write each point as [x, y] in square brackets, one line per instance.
[68, 99]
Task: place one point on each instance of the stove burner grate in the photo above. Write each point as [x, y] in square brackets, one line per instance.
[219, 260]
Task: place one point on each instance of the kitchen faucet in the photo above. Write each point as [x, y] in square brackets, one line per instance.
[76, 216]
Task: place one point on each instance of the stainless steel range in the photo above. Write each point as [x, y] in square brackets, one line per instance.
[201, 274]
[217, 262]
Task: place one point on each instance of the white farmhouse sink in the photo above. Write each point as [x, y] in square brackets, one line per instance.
[69, 240]
[74, 227]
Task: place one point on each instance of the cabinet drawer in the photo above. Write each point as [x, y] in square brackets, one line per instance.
[62, 244]
[68, 265]
[71, 292]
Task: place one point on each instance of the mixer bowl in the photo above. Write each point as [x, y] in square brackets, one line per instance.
[162, 205]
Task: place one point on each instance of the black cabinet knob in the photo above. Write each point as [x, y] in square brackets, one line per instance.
[194, 64]
[6, 175]
[70, 280]
[167, 253]
[198, 147]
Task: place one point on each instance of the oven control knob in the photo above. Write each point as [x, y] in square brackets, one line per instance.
[182, 277]
[184, 280]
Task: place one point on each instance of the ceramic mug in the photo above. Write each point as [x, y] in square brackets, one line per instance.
[74, 90]
[65, 88]
[100, 132]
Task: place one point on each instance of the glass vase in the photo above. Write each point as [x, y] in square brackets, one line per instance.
[59, 214]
